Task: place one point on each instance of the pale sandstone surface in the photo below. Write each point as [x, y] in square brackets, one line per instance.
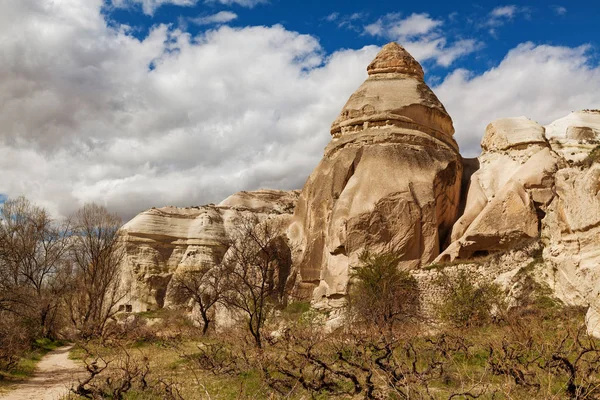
[576, 135]
[571, 232]
[513, 185]
[389, 180]
[527, 188]
[161, 242]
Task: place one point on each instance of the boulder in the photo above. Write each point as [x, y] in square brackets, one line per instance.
[389, 180]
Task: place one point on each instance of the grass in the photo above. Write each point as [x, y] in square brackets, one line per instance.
[28, 363]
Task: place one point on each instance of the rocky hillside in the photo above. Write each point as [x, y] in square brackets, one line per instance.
[162, 242]
[392, 179]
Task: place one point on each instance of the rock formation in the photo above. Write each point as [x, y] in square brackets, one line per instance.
[513, 186]
[392, 180]
[576, 135]
[389, 180]
[161, 242]
[537, 183]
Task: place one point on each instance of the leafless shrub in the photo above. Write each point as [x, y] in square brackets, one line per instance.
[257, 265]
[105, 380]
[204, 287]
[96, 254]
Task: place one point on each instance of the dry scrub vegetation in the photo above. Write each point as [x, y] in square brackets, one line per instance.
[60, 279]
[479, 348]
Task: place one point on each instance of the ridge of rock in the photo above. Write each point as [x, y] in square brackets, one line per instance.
[161, 242]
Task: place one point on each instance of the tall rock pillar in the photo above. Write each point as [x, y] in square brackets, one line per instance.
[389, 180]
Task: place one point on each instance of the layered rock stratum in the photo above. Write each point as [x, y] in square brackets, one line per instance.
[162, 242]
[392, 180]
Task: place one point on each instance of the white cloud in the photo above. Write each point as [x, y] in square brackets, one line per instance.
[503, 14]
[332, 17]
[414, 25]
[150, 6]
[504, 11]
[243, 3]
[90, 113]
[423, 37]
[221, 17]
[541, 82]
[559, 10]
[348, 21]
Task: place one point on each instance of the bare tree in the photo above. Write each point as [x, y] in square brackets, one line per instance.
[257, 265]
[203, 286]
[96, 255]
[32, 250]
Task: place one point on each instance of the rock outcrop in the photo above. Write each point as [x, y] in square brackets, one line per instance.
[389, 180]
[161, 242]
[392, 180]
[536, 183]
[576, 135]
[506, 196]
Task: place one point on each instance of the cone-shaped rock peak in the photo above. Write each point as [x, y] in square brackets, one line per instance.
[395, 99]
[393, 58]
[389, 181]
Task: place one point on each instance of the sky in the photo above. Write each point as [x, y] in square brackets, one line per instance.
[135, 104]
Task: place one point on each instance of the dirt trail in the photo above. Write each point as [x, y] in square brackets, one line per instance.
[53, 377]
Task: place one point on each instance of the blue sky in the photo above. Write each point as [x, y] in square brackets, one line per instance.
[141, 103]
[496, 26]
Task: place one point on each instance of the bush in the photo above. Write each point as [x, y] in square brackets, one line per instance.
[464, 304]
[381, 293]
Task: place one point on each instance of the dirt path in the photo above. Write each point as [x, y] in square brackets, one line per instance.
[54, 375]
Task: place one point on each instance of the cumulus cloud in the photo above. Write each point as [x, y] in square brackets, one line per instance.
[90, 113]
[221, 17]
[150, 6]
[541, 82]
[422, 36]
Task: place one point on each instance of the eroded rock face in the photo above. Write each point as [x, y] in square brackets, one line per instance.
[161, 242]
[389, 180]
[576, 135]
[511, 189]
[537, 183]
[571, 232]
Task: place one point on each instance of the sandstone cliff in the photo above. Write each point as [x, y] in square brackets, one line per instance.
[389, 180]
[161, 242]
[541, 184]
